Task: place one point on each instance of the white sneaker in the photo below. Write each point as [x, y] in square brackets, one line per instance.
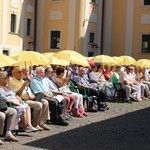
[31, 129]
[139, 99]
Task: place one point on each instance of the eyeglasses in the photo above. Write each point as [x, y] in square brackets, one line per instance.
[19, 72]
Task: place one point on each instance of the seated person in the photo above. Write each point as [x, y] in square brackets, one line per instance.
[78, 109]
[82, 81]
[41, 91]
[21, 88]
[107, 73]
[23, 110]
[130, 85]
[11, 116]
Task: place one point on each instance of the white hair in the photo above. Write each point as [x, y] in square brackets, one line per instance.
[38, 69]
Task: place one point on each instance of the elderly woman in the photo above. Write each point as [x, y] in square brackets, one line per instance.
[23, 110]
[76, 107]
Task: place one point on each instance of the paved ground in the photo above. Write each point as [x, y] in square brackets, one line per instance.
[123, 127]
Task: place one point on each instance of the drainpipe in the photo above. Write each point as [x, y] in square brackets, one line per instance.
[102, 28]
[35, 19]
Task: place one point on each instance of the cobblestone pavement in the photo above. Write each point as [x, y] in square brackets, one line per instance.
[123, 127]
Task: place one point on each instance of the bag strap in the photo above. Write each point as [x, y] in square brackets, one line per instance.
[54, 82]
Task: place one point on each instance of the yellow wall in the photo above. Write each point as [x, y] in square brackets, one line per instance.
[139, 29]
[118, 36]
[79, 26]
[1, 8]
[61, 25]
[29, 38]
[118, 27]
[13, 38]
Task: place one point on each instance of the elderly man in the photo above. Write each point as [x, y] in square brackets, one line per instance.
[9, 114]
[42, 91]
[82, 81]
[130, 85]
[78, 109]
[21, 88]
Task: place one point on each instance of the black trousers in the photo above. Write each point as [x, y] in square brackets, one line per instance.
[101, 96]
[57, 110]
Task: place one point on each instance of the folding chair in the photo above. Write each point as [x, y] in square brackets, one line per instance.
[120, 93]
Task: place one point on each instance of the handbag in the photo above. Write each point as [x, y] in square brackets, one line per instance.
[38, 97]
[92, 105]
[3, 105]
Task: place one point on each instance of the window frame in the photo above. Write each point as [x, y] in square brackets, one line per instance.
[142, 43]
[90, 37]
[30, 27]
[57, 1]
[50, 39]
[94, 1]
[6, 52]
[15, 24]
[145, 2]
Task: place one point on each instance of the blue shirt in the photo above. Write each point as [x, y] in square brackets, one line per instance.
[37, 85]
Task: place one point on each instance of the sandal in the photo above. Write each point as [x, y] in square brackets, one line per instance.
[82, 112]
[1, 142]
[76, 113]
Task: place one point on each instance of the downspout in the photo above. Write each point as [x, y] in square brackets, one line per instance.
[102, 28]
[35, 19]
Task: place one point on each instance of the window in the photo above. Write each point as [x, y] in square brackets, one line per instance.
[146, 43]
[92, 37]
[57, 0]
[29, 23]
[55, 40]
[90, 54]
[13, 23]
[146, 2]
[93, 1]
[6, 52]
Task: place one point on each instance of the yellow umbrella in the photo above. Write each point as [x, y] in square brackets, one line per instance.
[127, 60]
[72, 57]
[118, 60]
[142, 63]
[49, 54]
[29, 58]
[6, 60]
[104, 59]
[55, 60]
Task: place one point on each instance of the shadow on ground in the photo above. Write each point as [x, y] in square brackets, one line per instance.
[127, 132]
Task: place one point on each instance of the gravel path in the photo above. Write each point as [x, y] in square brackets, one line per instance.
[123, 127]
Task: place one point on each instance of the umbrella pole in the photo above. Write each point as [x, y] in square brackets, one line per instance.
[25, 65]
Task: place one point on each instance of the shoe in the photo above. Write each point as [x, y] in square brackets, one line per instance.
[10, 138]
[82, 112]
[76, 113]
[128, 101]
[31, 129]
[68, 117]
[1, 142]
[63, 123]
[39, 128]
[60, 122]
[45, 127]
[139, 99]
[144, 98]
